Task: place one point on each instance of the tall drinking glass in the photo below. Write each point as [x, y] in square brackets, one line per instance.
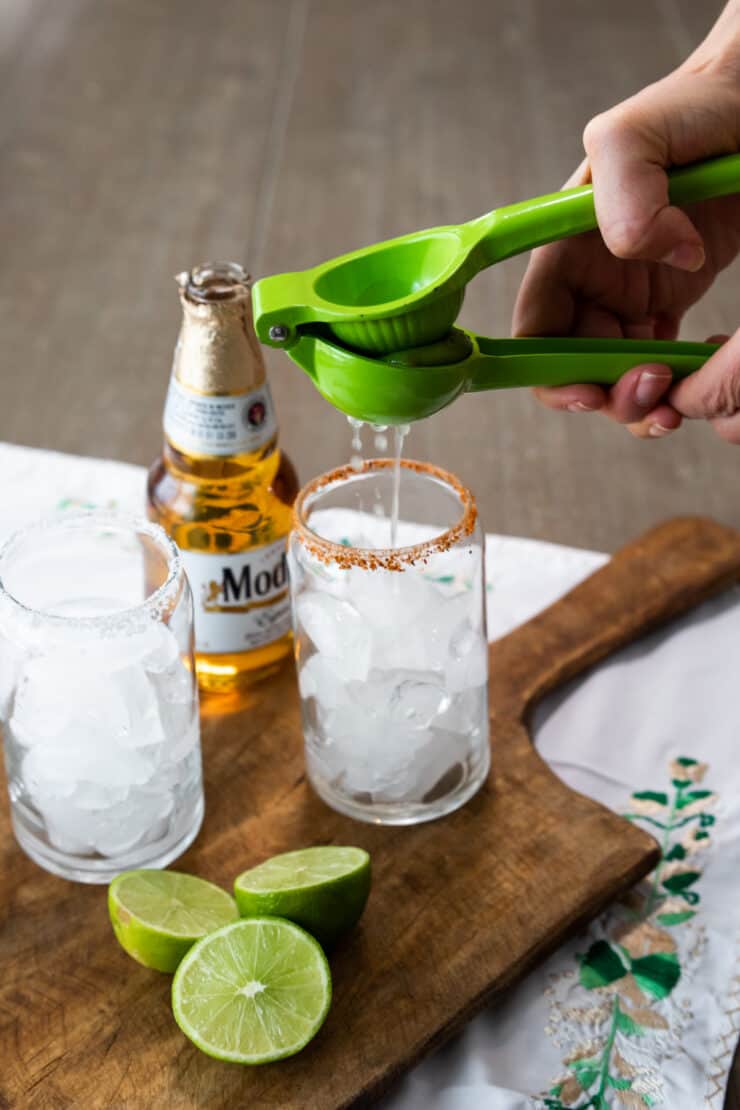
[390, 641]
[97, 698]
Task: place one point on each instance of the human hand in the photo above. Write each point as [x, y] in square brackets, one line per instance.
[650, 261]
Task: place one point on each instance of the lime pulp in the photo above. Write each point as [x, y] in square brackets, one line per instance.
[158, 915]
[254, 991]
[323, 889]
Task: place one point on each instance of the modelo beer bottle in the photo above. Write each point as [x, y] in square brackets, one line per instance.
[221, 488]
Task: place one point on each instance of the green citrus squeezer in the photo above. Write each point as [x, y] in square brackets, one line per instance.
[374, 328]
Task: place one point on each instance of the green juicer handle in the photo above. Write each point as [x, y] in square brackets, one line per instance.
[503, 363]
[531, 223]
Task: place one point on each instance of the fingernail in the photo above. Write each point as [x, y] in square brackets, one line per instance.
[660, 430]
[685, 256]
[578, 406]
[650, 387]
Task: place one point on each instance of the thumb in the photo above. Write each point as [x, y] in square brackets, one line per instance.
[628, 149]
[713, 393]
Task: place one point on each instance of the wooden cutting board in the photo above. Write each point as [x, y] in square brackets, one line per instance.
[459, 909]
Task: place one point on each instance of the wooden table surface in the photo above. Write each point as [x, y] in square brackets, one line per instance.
[141, 136]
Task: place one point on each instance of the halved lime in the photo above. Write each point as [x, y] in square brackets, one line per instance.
[254, 991]
[158, 915]
[323, 889]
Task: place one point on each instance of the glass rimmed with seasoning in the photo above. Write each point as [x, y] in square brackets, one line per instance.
[390, 640]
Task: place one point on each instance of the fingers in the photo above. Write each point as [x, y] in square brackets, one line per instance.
[627, 154]
[638, 400]
[656, 425]
[544, 303]
[638, 393]
[713, 393]
[572, 398]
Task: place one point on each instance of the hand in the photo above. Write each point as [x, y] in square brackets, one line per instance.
[650, 261]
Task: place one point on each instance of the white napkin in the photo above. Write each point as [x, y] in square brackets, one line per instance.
[662, 1027]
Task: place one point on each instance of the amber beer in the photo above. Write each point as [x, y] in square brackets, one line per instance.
[222, 488]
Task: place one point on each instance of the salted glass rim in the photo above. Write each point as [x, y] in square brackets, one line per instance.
[125, 619]
[387, 558]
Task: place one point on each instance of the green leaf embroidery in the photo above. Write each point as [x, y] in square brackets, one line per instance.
[675, 918]
[657, 974]
[600, 966]
[626, 1025]
[691, 797]
[651, 796]
[678, 883]
[585, 1072]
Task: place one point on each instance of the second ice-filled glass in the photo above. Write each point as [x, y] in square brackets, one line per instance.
[97, 696]
[390, 642]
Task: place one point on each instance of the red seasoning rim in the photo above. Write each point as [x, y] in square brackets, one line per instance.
[381, 558]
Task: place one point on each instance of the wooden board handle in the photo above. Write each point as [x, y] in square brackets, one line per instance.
[666, 572]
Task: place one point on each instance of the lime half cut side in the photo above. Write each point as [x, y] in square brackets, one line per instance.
[252, 992]
[324, 889]
[157, 916]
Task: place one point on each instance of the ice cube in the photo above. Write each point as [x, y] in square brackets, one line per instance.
[139, 820]
[151, 641]
[417, 701]
[180, 744]
[68, 829]
[77, 697]
[409, 697]
[388, 599]
[468, 663]
[164, 652]
[428, 614]
[143, 727]
[362, 750]
[11, 661]
[64, 765]
[111, 830]
[338, 632]
[466, 712]
[318, 679]
[176, 696]
[43, 700]
[401, 737]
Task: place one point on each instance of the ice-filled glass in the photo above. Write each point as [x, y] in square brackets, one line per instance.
[97, 698]
[390, 642]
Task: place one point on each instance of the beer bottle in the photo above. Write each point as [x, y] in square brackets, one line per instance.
[222, 489]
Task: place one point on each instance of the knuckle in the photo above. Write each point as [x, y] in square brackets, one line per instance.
[603, 130]
[721, 397]
[624, 238]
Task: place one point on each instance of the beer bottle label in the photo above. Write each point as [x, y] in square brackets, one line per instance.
[205, 424]
[240, 601]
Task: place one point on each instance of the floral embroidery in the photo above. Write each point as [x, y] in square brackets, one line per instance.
[623, 1011]
[79, 503]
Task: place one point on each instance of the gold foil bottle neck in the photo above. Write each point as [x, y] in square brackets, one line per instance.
[217, 350]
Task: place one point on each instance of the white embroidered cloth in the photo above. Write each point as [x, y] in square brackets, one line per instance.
[643, 1009]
